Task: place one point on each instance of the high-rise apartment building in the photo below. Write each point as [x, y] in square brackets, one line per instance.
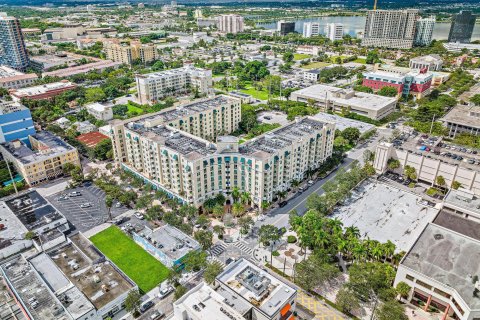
[424, 31]
[284, 27]
[462, 27]
[334, 31]
[128, 52]
[311, 29]
[230, 23]
[12, 48]
[15, 122]
[154, 86]
[390, 28]
[173, 150]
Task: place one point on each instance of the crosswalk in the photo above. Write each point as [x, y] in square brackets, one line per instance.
[218, 248]
[244, 247]
[215, 259]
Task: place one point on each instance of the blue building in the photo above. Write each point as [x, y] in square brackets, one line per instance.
[15, 122]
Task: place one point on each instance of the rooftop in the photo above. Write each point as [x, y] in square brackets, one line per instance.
[171, 72]
[91, 139]
[464, 115]
[102, 64]
[50, 146]
[342, 123]
[449, 258]
[42, 89]
[464, 199]
[8, 74]
[262, 290]
[428, 58]
[360, 99]
[33, 292]
[99, 280]
[458, 223]
[172, 242]
[207, 303]
[31, 209]
[10, 106]
[13, 231]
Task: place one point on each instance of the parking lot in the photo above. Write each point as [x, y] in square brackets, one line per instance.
[90, 215]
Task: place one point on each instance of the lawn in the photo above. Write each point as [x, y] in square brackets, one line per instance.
[146, 271]
[262, 95]
[360, 60]
[132, 108]
[300, 56]
[316, 65]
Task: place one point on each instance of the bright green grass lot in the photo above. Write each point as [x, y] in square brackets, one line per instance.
[146, 271]
[262, 95]
[134, 108]
[300, 56]
[316, 65]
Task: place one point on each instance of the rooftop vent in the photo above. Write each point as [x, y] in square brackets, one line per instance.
[438, 236]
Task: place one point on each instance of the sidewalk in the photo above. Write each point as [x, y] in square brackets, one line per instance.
[321, 310]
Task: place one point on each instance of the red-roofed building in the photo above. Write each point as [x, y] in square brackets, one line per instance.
[91, 139]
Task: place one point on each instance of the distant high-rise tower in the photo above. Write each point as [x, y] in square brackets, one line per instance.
[424, 31]
[285, 28]
[390, 28]
[334, 31]
[230, 23]
[311, 29]
[462, 27]
[173, 3]
[12, 48]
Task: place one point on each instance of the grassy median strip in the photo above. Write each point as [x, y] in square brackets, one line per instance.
[133, 260]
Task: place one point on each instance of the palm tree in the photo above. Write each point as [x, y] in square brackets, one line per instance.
[245, 197]
[108, 204]
[335, 225]
[389, 249]
[352, 232]
[359, 251]
[218, 229]
[218, 211]
[235, 194]
[237, 209]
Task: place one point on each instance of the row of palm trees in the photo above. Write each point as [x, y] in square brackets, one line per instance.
[326, 235]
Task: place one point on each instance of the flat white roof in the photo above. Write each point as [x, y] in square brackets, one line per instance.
[97, 107]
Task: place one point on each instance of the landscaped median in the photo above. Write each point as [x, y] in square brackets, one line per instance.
[146, 271]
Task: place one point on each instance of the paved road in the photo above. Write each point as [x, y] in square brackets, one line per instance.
[279, 216]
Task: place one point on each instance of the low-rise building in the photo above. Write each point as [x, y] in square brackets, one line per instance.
[91, 139]
[84, 126]
[97, 66]
[462, 202]
[44, 91]
[27, 212]
[431, 62]
[203, 302]
[244, 97]
[72, 281]
[44, 160]
[100, 111]
[306, 49]
[311, 75]
[458, 47]
[15, 122]
[442, 270]
[14, 79]
[61, 59]
[167, 243]
[254, 293]
[416, 83]
[463, 118]
[341, 100]
[153, 87]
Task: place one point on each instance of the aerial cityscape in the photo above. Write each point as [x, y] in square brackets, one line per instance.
[258, 160]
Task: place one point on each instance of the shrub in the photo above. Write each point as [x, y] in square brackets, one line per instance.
[275, 253]
[291, 239]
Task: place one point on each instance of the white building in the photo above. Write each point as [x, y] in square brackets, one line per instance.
[431, 62]
[306, 49]
[424, 31]
[230, 23]
[311, 29]
[100, 111]
[14, 79]
[152, 87]
[342, 100]
[198, 13]
[334, 31]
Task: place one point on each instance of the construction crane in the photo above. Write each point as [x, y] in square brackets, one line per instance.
[375, 5]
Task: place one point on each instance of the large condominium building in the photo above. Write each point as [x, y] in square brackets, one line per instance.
[12, 48]
[462, 27]
[14, 79]
[390, 28]
[424, 31]
[342, 100]
[311, 29]
[230, 23]
[334, 31]
[15, 122]
[171, 151]
[44, 160]
[152, 87]
[125, 52]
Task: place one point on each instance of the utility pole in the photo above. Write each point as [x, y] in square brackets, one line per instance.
[11, 177]
[431, 126]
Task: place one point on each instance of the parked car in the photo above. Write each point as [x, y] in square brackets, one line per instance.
[75, 194]
[119, 220]
[147, 305]
[157, 315]
[139, 215]
[165, 292]
[86, 205]
[310, 182]
[63, 197]
[283, 204]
